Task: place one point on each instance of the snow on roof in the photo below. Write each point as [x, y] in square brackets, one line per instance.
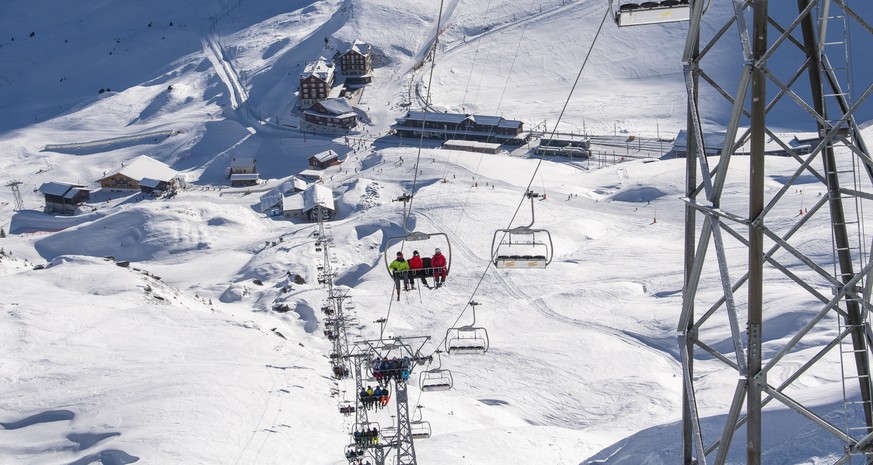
[470, 144]
[293, 202]
[319, 68]
[714, 141]
[317, 195]
[56, 188]
[335, 106]
[327, 155]
[72, 193]
[270, 200]
[457, 118]
[317, 174]
[148, 182]
[146, 167]
[360, 47]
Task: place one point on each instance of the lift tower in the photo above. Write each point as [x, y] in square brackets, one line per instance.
[764, 261]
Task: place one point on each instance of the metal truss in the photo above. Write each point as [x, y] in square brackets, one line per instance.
[738, 263]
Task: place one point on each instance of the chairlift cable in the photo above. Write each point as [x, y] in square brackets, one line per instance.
[536, 169]
[499, 104]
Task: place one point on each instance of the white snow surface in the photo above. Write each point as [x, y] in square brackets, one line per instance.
[178, 358]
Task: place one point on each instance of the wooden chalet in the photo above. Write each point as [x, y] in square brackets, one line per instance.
[324, 160]
[355, 63]
[332, 113]
[62, 197]
[131, 174]
[316, 82]
[458, 126]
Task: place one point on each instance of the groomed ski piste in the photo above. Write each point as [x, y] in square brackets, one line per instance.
[178, 357]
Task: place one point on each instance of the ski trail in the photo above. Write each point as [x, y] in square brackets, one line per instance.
[224, 70]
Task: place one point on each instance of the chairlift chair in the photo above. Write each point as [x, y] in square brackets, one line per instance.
[631, 13]
[467, 339]
[425, 243]
[346, 407]
[522, 246]
[435, 379]
[419, 429]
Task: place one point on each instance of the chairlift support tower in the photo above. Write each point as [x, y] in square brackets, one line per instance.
[403, 445]
[840, 162]
[16, 194]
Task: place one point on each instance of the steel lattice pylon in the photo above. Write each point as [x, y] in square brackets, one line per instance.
[755, 259]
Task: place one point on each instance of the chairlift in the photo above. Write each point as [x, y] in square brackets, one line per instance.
[346, 407]
[426, 243]
[468, 339]
[366, 441]
[435, 379]
[418, 428]
[630, 13]
[318, 246]
[350, 306]
[354, 452]
[522, 246]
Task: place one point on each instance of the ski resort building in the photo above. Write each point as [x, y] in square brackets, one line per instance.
[324, 160]
[316, 82]
[308, 203]
[243, 172]
[355, 64]
[565, 145]
[446, 126]
[158, 176]
[62, 197]
[332, 113]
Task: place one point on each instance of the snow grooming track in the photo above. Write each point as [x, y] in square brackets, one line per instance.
[225, 71]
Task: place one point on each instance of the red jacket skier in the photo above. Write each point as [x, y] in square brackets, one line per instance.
[415, 266]
[438, 262]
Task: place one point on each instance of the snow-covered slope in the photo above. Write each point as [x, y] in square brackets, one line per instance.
[143, 330]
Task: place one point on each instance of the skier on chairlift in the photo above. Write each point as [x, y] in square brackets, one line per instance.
[438, 262]
[415, 269]
[400, 268]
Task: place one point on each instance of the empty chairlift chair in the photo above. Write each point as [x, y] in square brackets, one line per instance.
[418, 428]
[666, 11]
[523, 246]
[468, 339]
[435, 379]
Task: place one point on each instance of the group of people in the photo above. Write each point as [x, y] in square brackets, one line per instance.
[386, 368]
[366, 436]
[407, 271]
[340, 371]
[374, 398]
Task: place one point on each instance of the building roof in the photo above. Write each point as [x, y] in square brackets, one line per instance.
[317, 174]
[457, 118]
[470, 144]
[360, 47]
[148, 182]
[244, 177]
[56, 188]
[327, 155]
[145, 167]
[317, 195]
[293, 202]
[337, 107]
[72, 193]
[319, 68]
[270, 200]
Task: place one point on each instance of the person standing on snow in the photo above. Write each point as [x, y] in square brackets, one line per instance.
[400, 268]
[415, 265]
[438, 262]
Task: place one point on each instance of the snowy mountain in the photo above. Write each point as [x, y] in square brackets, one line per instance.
[143, 330]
